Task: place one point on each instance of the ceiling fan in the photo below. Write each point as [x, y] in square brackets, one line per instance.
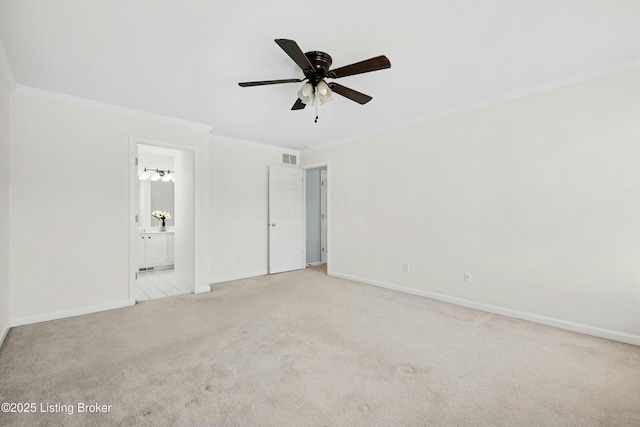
[316, 67]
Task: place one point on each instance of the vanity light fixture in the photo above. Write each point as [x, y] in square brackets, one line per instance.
[167, 177]
[159, 175]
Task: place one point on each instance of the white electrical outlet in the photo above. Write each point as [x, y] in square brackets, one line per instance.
[467, 277]
[406, 267]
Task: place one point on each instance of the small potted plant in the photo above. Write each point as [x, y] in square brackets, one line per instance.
[162, 216]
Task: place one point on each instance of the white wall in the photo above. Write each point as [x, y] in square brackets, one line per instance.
[184, 249]
[539, 198]
[4, 208]
[239, 207]
[69, 238]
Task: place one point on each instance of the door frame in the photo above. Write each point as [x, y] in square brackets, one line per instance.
[304, 189]
[133, 207]
[324, 216]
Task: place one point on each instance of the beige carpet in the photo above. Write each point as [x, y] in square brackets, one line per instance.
[303, 349]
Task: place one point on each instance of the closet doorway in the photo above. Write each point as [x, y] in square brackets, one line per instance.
[317, 216]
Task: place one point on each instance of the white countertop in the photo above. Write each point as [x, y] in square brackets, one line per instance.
[154, 230]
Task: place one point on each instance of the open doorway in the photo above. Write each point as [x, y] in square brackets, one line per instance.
[163, 236]
[317, 217]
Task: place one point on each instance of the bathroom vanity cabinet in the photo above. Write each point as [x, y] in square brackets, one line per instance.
[155, 249]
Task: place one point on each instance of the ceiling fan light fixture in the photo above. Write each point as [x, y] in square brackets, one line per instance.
[306, 93]
[324, 92]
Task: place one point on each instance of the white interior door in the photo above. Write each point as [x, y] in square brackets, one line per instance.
[286, 227]
[323, 217]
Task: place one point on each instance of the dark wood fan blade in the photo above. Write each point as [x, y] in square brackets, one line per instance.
[270, 82]
[299, 105]
[378, 63]
[353, 95]
[293, 50]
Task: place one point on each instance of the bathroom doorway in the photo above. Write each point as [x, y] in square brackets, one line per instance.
[163, 246]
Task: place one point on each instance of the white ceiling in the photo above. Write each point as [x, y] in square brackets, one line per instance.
[184, 58]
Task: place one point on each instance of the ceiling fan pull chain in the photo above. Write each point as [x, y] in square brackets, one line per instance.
[316, 102]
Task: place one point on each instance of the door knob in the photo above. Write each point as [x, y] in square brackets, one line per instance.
[273, 224]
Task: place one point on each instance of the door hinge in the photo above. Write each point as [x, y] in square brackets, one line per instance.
[136, 218]
[136, 161]
[136, 276]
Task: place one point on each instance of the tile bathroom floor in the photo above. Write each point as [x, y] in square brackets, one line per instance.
[160, 284]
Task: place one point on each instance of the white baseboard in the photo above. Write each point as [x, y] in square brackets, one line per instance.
[550, 321]
[202, 289]
[3, 335]
[314, 264]
[19, 321]
[239, 276]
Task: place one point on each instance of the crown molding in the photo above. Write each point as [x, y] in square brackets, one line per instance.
[5, 69]
[27, 90]
[487, 102]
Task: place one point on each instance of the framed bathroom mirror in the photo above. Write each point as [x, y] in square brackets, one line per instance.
[156, 196]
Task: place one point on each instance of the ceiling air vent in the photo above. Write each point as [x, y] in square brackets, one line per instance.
[289, 159]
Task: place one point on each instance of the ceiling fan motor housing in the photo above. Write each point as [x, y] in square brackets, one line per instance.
[321, 63]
